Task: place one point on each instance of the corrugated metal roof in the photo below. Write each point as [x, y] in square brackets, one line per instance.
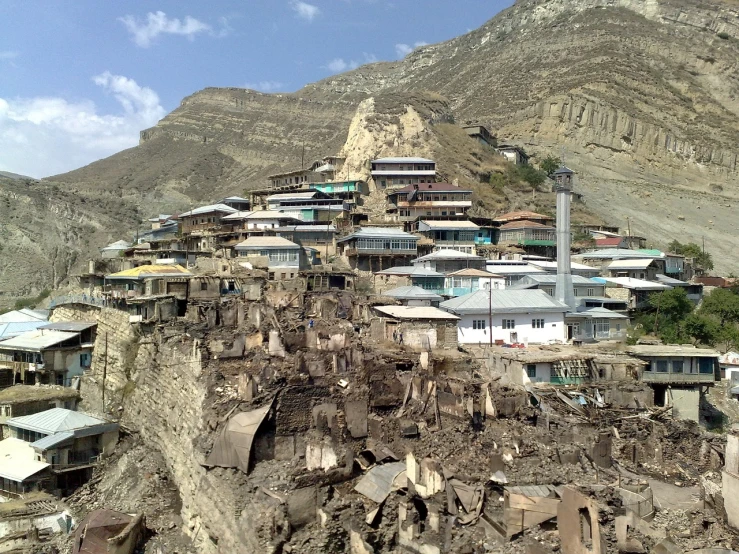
[411, 292]
[36, 341]
[266, 242]
[504, 301]
[55, 420]
[147, 271]
[630, 264]
[222, 208]
[617, 254]
[377, 483]
[74, 326]
[117, 245]
[293, 195]
[636, 284]
[410, 270]
[378, 232]
[534, 491]
[9, 330]
[233, 199]
[551, 278]
[599, 313]
[472, 272]
[402, 160]
[52, 440]
[544, 264]
[462, 224]
[26, 314]
[415, 312]
[665, 280]
[317, 228]
[514, 269]
[448, 255]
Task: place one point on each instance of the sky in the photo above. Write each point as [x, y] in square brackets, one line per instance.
[79, 79]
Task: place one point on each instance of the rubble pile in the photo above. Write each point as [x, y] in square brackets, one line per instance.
[312, 434]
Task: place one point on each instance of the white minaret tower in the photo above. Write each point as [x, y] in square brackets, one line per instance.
[564, 292]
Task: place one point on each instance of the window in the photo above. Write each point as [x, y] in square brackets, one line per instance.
[662, 366]
[537, 323]
[705, 365]
[478, 324]
[531, 370]
[203, 285]
[509, 324]
[85, 359]
[591, 292]
[677, 366]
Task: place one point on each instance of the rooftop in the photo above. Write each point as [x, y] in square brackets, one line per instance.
[148, 271]
[20, 394]
[8, 330]
[515, 269]
[525, 224]
[266, 242]
[448, 255]
[551, 278]
[73, 326]
[411, 292]
[460, 224]
[401, 160]
[514, 216]
[686, 351]
[378, 232]
[598, 313]
[472, 272]
[630, 264]
[221, 208]
[609, 241]
[18, 460]
[665, 280]
[294, 195]
[415, 312]
[618, 254]
[55, 420]
[36, 341]
[117, 245]
[636, 284]
[504, 301]
[429, 187]
[546, 264]
[410, 270]
[26, 314]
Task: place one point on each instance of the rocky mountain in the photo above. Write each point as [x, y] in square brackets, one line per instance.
[640, 95]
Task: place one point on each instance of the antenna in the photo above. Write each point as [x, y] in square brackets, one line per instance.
[562, 155]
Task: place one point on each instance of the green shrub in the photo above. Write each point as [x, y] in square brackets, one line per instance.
[724, 36]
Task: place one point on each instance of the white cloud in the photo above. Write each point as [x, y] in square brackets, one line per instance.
[157, 23]
[44, 136]
[265, 86]
[337, 65]
[304, 10]
[402, 50]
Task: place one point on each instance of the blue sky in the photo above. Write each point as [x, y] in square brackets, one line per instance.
[79, 79]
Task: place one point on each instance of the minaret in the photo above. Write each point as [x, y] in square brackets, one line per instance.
[564, 292]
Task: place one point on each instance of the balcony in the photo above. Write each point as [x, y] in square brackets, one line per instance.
[677, 378]
[21, 367]
[353, 252]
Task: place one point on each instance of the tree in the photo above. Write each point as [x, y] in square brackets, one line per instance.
[724, 304]
[703, 328]
[673, 304]
[702, 259]
[549, 165]
[531, 175]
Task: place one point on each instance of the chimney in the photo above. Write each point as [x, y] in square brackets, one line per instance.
[564, 291]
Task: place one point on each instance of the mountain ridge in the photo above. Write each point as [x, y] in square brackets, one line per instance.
[642, 97]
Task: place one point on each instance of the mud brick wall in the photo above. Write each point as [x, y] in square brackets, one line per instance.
[294, 408]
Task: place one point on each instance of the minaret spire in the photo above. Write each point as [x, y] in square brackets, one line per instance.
[564, 291]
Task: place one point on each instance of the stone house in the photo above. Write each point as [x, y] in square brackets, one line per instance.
[635, 292]
[282, 257]
[459, 235]
[421, 328]
[377, 248]
[514, 154]
[21, 400]
[448, 261]
[428, 200]
[204, 218]
[401, 171]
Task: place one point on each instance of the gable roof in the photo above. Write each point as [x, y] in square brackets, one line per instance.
[609, 241]
[55, 420]
[504, 301]
[618, 254]
[635, 284]
[117, 245]
[472, 272]
[378, 232]
[410, 270]
[222, 208]
[8, 330]
[451, 224]
[551, 279]
[525, 224]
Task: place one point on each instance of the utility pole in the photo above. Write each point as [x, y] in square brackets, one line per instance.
[302, 157]
[628, 227]
[105, 369]
[490, 309]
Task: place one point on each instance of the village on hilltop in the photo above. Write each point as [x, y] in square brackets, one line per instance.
[360, 344]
